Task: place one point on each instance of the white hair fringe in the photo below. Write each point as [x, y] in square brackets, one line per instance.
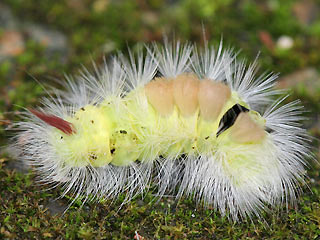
[273, 175]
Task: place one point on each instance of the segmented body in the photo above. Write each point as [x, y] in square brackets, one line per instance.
[182, 115]
[196, 128]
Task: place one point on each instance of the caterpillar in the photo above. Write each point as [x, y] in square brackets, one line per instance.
[193, 122]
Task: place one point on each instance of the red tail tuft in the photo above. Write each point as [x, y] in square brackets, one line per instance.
[55, 121]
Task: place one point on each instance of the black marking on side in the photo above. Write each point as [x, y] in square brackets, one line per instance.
[93, 156]
[230, 117]
[112, 150]
[158, 74]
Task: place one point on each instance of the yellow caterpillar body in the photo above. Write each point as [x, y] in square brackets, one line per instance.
[120, 131]
[207, 126]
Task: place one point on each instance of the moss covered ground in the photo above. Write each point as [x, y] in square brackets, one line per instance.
[42, 40]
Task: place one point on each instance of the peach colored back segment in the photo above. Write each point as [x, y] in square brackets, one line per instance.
[188, 93]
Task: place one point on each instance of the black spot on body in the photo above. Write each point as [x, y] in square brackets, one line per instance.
[158, 74]
[123, 131]
[230, 117]
[93, 156]
[112, 150]
[82, 109]
[92, 121]
[206, 138]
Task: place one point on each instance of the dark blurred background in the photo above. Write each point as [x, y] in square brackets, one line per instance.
[40, 39]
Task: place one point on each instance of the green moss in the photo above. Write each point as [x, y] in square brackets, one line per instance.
[23, 212]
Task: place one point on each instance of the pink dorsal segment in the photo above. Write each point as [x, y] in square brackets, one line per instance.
[55, 121]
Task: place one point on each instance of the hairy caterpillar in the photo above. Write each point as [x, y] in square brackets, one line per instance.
[207, 127]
